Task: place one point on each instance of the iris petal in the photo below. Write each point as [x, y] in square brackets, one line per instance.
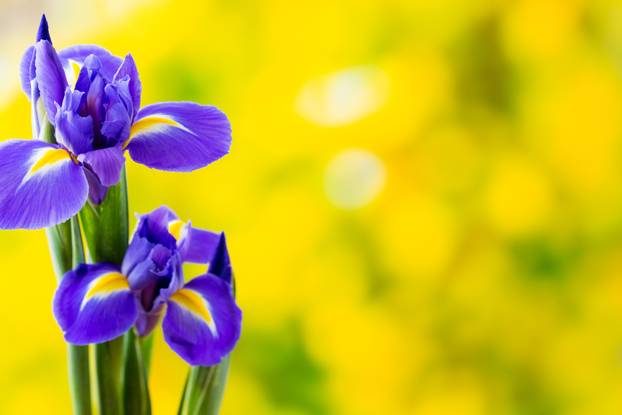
[198, 246]
[106, 163]
[40, 185]
[202, 322]
[128, 69]
[24, 69]
[50, 76]
[220, 264]
[73, 131]
[179, 136]
[78, 53]
[94, 304]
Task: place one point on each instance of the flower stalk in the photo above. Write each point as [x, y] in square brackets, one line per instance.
[79, 374]
[134, 379]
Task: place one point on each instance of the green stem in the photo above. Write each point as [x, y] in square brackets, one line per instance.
[108, 361]
[106, 233]
[78, 361]
[79, 377]
[134, 380]
[146, 346]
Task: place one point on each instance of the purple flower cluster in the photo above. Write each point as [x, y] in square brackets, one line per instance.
[201, 322]
[95, 121]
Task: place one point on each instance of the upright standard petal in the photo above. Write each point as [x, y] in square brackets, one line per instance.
[24, 69]
[118, 118]
[94, 304]
[78, 53]
[198, 245]
[40, 185]
[51, 78]
[128, 70]
[155, 227]
[179, 136]
[202, 322]
[73, 131]
[106, 163]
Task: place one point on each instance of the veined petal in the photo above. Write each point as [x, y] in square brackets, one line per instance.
[202, 322]
[72, 130]
[40, 185]
[94, 304]
[75, 55]
[198, 245]
[154, 226]
[179, 136]
[106, 163]
[128, 69]
[50, 76]
[24, 69]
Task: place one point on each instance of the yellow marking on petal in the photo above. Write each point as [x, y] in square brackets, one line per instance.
[106, 284]
[75, 67]
[48, 158]
[175, 227]
[149, 122]
[193, 302]
[73, 71]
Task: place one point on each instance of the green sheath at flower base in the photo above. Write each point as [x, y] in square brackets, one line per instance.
[106, 226]
[59, 244]
[204, 389]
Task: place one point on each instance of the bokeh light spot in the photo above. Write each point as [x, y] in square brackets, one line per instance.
[343, 97]
[354, 178]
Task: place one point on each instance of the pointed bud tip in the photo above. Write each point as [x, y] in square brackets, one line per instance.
[43, 33]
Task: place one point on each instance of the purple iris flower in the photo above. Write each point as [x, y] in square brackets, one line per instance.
[95, 121]
[97, 303]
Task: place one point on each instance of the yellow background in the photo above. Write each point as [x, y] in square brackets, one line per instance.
[423, 200]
